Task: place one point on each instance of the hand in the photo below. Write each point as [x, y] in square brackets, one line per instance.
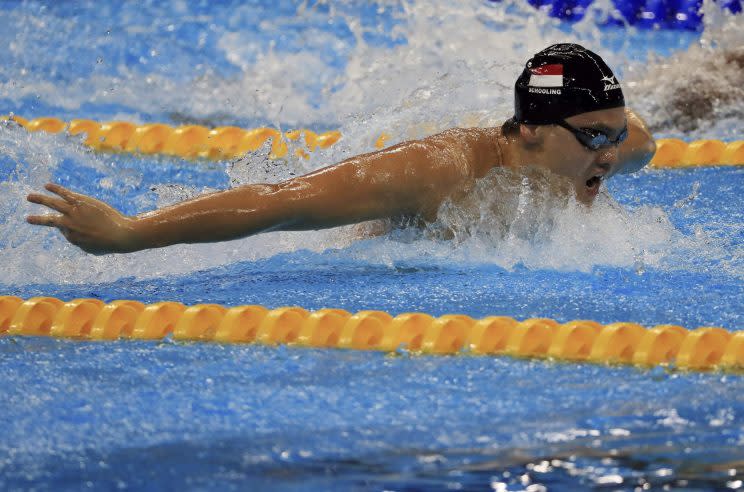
[90, 224]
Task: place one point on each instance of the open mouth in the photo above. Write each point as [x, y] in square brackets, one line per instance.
[593, 183]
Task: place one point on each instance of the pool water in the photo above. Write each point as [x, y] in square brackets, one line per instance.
[660, 247]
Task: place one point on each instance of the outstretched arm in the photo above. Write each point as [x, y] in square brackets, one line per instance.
[638, 149]
[408, 178]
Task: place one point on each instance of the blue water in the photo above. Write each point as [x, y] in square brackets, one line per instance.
[167, 415]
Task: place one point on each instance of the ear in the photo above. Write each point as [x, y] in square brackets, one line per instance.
[530, 134]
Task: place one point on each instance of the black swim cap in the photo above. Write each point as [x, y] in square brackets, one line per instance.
[563, 80]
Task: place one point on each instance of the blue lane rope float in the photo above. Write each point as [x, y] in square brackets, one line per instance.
[228, 142]
[704, 348]
[645, 14]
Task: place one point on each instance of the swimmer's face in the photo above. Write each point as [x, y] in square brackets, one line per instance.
[563, 154]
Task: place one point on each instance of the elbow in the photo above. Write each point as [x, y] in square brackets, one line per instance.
[639, 157]
[651, 149]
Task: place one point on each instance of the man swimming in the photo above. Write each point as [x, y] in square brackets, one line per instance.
[570, 118]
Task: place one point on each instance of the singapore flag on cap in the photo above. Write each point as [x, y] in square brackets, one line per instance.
[547, 76]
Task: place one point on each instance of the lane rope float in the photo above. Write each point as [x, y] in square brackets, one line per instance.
[704, 348]
[187, 141]
[672, 152]
[228, 142]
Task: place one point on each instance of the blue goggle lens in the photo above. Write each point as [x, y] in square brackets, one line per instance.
[594, 139]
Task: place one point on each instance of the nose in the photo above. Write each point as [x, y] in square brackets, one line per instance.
[608, 157]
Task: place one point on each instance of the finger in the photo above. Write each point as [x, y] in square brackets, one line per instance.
[61, 191]
[44, 220]
[49, 201]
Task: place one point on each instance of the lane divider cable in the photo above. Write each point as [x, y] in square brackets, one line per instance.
[704, 348]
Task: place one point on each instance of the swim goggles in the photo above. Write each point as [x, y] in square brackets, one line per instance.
[591, 138]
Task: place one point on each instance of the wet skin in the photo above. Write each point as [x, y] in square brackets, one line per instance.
[410, 179]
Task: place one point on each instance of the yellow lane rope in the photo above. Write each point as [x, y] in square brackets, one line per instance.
[704, 348]
[227, 142]
[672, 152]
[188, 141]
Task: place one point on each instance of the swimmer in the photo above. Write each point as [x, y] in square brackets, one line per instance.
[570, 118]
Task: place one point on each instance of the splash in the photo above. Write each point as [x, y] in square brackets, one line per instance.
[526, 219]
[431, 52]
[423, 66]
[698, 92]
[419, 68]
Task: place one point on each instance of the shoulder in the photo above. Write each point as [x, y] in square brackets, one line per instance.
[460, 137]
[472, 142]
[481, 148]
